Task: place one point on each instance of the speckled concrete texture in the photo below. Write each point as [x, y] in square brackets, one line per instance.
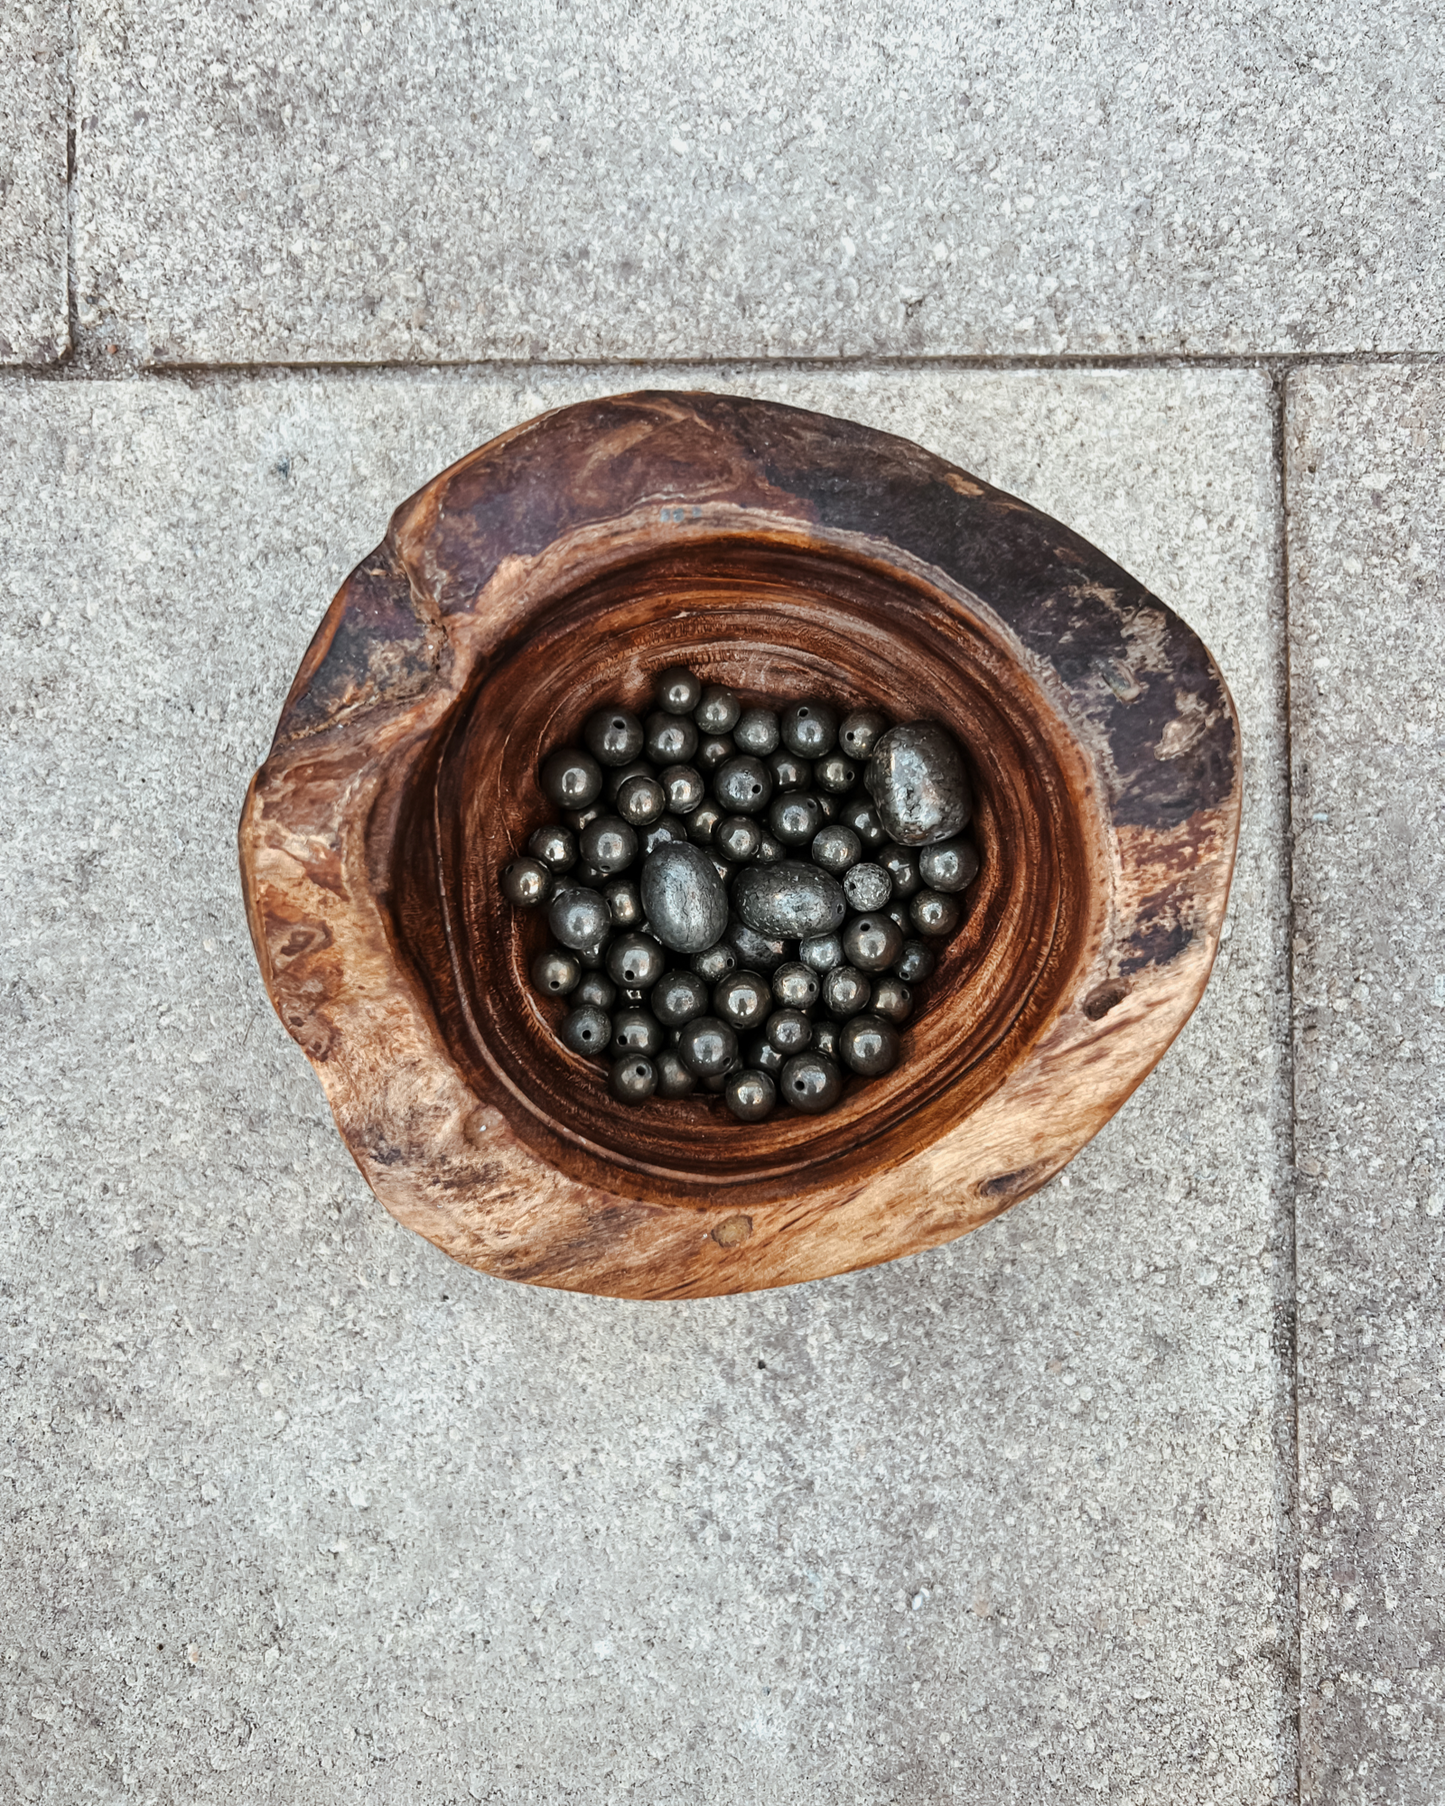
[298, 1511]
[406, 181]
[34, 93]
[1367, 553]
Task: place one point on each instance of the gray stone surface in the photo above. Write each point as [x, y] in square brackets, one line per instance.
[415, 181]
[1367, 552]
[297, 1510]
[33, 94]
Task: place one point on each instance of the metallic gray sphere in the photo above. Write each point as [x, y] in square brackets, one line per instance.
[625, 901]
[823, 952]
[860, 815]
[673, 1078]
[743, 786]
[555, 846]
[901, 865]
[750, 1095]
[608, 843]
[579, 918]
[914, 963]
[556, 973]
[861, 731]
[872, 942]
[714, 963]
[770, 850]
[825, 1039]
[596, 987]
[737, 837]
[743, 1000]
[707, 1047]
[950, 866]
[613, 736]
[762, 1056]
[670, 739]
[640, 800]
[678, 997]
[635, 1031]
[892, 1000]
[790, 1031]
[632, 1080]
[809, 729]
[916, 778]
[635, 961]
[758, 952]
[718, 710]
[714, 750]
[845, 992]
[789, 772]
[586, 1030]
[867, 885]
[615, 779]
[796, 986]
[810, 1082]
[757, 732]
[868, 1045]
[795, 818]
[835, 774]
[526, 882]
[684, 788]
[836, 848]
[571, 779]
[668, 830]
[677, 690]
[703, 821]
[934, 912]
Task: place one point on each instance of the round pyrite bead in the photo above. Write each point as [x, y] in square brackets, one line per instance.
[770, 850]
[950, 866]
[579, 918]
[934, 912]
[556, 973]
[872, 942]
[867, 885]
[632, 1080]
[714, 963]
[823, 952]
[835, 774]
[750, 1095]
[810, 1082]
[608, 843]
[914, 963]
[809, 729]
[707, 1046]
[702, 822]
[571, 779]
[635, 961]
[845, 992]
[683, 897]
[613, 736]
[624, 900]
[678, 997]
[586, 1030]
[789, 899]
[713, 751]
[796, 986]
[835, 848]
[790, 1031]
[737, 837]
[860, 733]
[901, 865]
[743, 786]
[892, 999]
[788, 771]
[677, 690]
[868, 1045]
[555, 846]
[717, 711]
[635, 1030]
[673, 1078]
[683, 787]
[860, 815]
[618, 776]
[757, 732]
[758, 952]
[743, 1000]
[762, 1056]
[525, 882]
[596, 987]
[640, 800]
[825, 1039]
[916, 779]
[667, 830]
[670, 739]
[795, 818]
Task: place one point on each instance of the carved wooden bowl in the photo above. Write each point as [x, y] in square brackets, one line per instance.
[785, 554]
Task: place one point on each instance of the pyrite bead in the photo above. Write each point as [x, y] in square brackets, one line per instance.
[571, 779]
[525, 882]
[757, 732]
[586, 1030]
[579, 918]
[914, 963]
[809, 729]
[702, 823]
[796, 986]
[823, 952]
[673, 1078]
[861, 731]
[835, 848]
[770, 850]
[714, 963]
[867, 885]
[790, 1031]
[788, 771]
[892, 999]
[632, 1080]
[677, 997]
[832, 806]
[608, 843]
[795, 818]
[762, 1056]
[737, 837]
[596, 987]
[714, 750]
[677, 690]
[556, 972]
[790, 899]
[860, 815]
[555, 846]
[845, 992]
[951, 866]
[825, 1039]
[707, 1046]
[872, 942]
[717, 711]
[750, 1095]
[613, 736]
[684, 898]
[635, 1031]
[743, 1000]
[683, 787]
[624, 900]
[670, 739]
[811, 1083]
[641, 800]
[868, 1046]
[835, 774]
[934, 912]
[758, 952]
[635, 961]
[901, 865]
[667, 830]
[615, 779]
[743, 786]
[916, 779]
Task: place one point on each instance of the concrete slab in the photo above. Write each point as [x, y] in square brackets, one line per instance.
[403, 182]
[299, 1510]
[1367, 549]
[34, 78]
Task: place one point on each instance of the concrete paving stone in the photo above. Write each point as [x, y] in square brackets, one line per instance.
[298, 1510]
[1366, 556]
[34, 78]
[404, 181]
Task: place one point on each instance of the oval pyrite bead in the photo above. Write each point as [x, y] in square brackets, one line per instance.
[684, 898]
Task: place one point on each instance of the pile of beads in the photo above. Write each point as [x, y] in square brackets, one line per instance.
[743, 897]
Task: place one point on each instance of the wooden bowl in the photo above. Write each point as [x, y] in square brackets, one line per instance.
[785, 554]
